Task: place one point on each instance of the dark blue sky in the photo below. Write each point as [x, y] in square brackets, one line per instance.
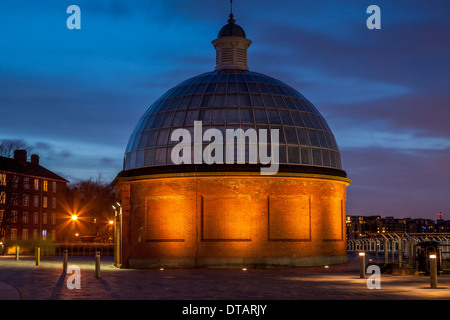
[76, 95]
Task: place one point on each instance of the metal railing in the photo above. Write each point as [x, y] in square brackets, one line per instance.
[398, 248]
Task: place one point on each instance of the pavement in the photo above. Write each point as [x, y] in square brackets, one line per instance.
[23, 280]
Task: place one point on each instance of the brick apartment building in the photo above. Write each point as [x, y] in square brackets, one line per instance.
[30, 199]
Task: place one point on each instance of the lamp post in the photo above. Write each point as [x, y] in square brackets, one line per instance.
[433, 271]
[74, 219]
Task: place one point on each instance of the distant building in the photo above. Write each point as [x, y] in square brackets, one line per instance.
[30, 197]
[370, 226]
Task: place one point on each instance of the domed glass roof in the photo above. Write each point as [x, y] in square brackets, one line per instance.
[234, 99]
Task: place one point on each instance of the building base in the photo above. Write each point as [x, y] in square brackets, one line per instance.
[256, 263]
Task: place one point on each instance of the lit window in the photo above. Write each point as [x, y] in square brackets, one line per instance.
[2, 179]
[44, 202]
[24, 234]
[1, 215]
[45, 185]
[13, 234]
[36, 184]
[2, 197]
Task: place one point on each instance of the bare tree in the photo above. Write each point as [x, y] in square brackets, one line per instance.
[92, 200]
[8, 146]
[9, 197]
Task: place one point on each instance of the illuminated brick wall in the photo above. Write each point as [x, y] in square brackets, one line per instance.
[214, 219]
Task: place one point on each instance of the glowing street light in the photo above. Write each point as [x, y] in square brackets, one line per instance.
[111, 222]
[74, 217]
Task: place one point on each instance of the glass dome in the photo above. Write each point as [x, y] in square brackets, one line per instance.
[234, 99]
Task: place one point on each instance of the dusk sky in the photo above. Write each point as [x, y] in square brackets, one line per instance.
[76, 95]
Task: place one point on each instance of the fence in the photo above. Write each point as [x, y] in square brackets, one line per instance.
[77, 249]
[399, 248]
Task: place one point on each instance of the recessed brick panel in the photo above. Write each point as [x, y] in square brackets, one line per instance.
[332, 212]
[166, 218]
[226, 218]
[289, 218]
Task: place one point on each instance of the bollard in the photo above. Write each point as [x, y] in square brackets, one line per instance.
[362, 265]
[376, 251]
[433, 271]
[38, 255]
[65, 256]
[400, 253]
[386, 255]
[97, 264]
[17, 253]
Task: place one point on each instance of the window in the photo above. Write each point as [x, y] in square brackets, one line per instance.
[44, 202]
[15, 181]
[13, 216]
[13, 234]
[2, 179]
[24, 234]
[54, 186]
[15, 199]
[45, 185]
[35, 234]
[26, 183]
[44, 218]
[2, 197]
[36, 218]
[1, 215]
[36, 184]
[26, 200]
[53, 217]
[36, 201]
[53, 203]
[25, 217]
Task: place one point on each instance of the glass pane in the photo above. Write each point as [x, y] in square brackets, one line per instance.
[218, 116]
[246, 115]
[178, 119]
[274, 118]
[168, 119]
[244, 100]
[219, 100]
[148, 157]
[313, 138]
[291, 135]
[317, 157]
[207, 100]
[303, 137]
[306, 120]
[260, 116]
[160, 156]
[306, 156]
[191, 116]
[257, 100]
[286, 117]
[268, 101]
[205, 116]
[232, 100]
[293, 155]
[233, 115]
[162, 137]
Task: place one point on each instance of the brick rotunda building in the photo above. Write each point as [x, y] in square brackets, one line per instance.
[222, 214]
